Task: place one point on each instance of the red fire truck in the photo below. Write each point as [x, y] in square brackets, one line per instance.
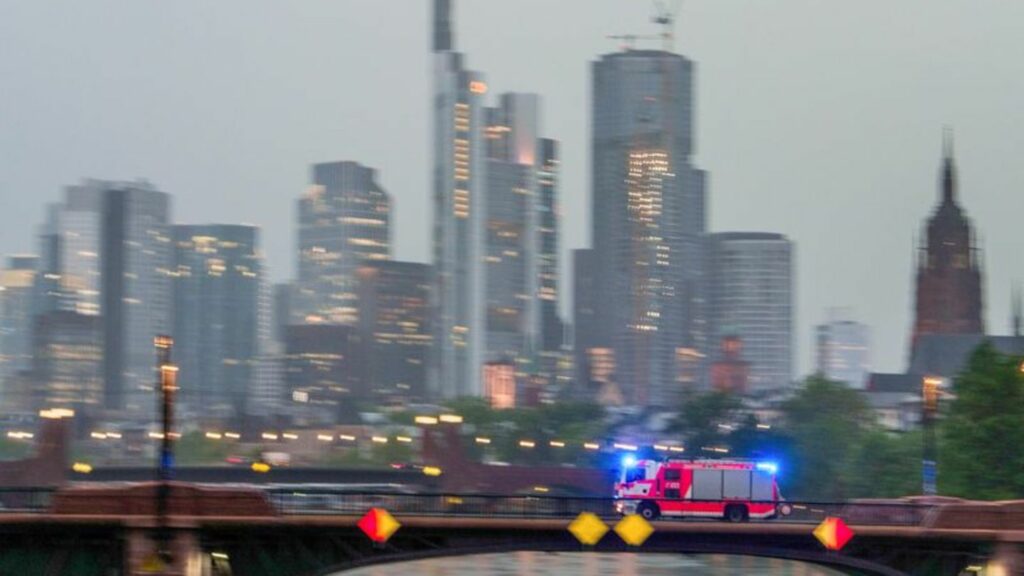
[736, 490]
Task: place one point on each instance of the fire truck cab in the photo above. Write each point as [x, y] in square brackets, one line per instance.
[735, 490]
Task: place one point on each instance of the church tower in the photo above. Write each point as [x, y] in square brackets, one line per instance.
[949, 275]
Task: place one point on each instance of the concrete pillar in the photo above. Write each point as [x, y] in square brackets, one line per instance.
[141, 557]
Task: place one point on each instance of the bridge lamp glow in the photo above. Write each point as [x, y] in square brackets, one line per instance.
[450, 418]
[219, 555]
[769, 467]
[556, 444]
[527, 443]
[591, 446]
[379, 439]
[232, 435]
[324, 437]
[628, 461]
[426, 420]
[214, 435]
[347, 437]
[269, 436]
[630, 447]
[661, 447]
[290, 436]
[482, 440]
[676, 449]
[403, 439]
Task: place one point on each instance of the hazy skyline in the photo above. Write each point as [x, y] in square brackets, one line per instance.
[818, 120]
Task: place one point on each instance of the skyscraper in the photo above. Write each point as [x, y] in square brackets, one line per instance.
[949, 279]
[344, 220]
[458, 183]
[495, 228]
[843, 353]
[135, 297]
[395, 321]
[750, 289]
[648, 218]
[217, 278]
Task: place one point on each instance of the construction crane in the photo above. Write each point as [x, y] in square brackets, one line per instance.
[665, 17]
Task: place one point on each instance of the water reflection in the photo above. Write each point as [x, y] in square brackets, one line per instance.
[596, 564]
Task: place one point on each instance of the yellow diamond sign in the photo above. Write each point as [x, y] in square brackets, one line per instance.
[588, 528]
[634, 530]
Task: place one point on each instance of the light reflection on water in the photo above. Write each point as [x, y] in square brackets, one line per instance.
[595, 564]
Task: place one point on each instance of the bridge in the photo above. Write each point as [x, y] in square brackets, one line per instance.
[220, 531]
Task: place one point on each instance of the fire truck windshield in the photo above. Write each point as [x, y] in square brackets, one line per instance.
[634, 474]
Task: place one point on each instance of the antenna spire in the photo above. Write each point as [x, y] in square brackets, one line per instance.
[442, 25]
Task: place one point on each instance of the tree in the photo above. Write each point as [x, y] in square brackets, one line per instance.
[886, 465]
[982, 449]
[700, 416]
[826, 421]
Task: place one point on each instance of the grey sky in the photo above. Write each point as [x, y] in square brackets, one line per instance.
[818, 119]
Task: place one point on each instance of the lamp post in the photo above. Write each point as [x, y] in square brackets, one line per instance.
[929, 410]
[167, 379]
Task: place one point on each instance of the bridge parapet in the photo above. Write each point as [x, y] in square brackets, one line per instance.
[183, 500]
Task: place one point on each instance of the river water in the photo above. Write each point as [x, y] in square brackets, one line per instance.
[595, 564]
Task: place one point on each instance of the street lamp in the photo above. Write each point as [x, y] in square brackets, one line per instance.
[929, 410]
[166, 386]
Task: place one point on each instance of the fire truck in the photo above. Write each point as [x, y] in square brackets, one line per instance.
[735, 490]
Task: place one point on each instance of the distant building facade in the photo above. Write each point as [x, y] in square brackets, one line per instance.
[323, 371]
[67, 361]
[17, 291]
[344, 220]
[730, 372]
[217, 278]
[397, 328]
[843, 352]
[750, 288]
[948, 293]
[648, 219]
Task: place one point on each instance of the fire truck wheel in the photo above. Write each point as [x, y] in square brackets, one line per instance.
[736, 513]
[648, 510]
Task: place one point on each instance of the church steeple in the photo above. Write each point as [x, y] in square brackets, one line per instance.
[949, 272]
[948, 168]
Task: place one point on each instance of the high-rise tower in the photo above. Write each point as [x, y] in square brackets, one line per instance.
[458, 178]
[217, 277]
[344, 220]
[949, 277]
[495, 228]
[648, 218]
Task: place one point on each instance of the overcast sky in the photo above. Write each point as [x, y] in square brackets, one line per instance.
[818, 119]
